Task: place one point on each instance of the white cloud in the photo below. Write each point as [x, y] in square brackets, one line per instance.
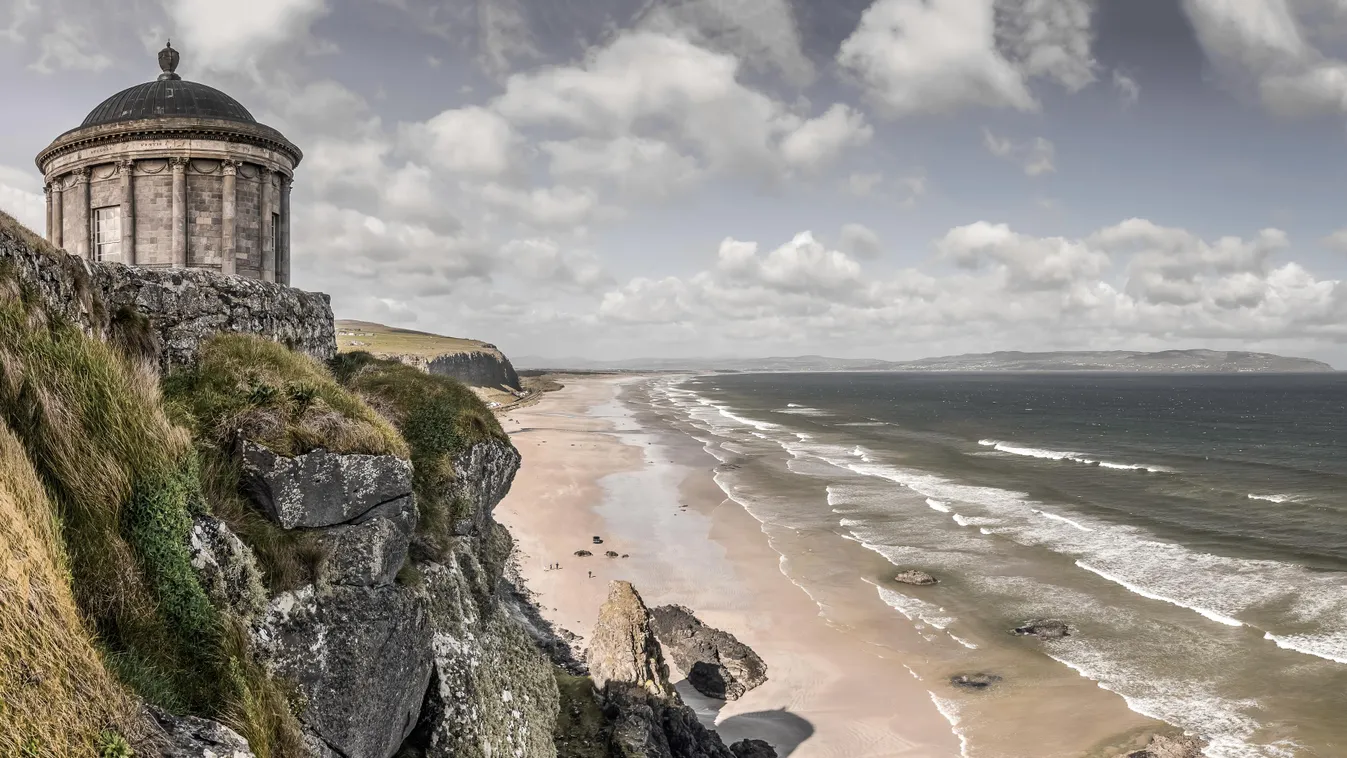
[639, 165]
[915, 56]
[1049, 39]
[470, 140]
[1263, 41]
[762, 32]
[69, 46]
[543, 259]
[544, 207]
[1337, 241]
[20, 197]
[860, 240]
[1036, 156]
[1127, 87]
[818, 141]
[232, 36]
[650, 84]
[1132, 283]
[862, 183]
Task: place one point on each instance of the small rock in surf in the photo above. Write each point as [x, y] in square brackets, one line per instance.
[1044, 630]
[978, 681]
[919, 578]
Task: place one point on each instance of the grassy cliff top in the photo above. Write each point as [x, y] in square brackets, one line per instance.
[354, 336]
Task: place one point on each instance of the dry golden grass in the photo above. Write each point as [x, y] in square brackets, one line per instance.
[56, 697]
[390, 340]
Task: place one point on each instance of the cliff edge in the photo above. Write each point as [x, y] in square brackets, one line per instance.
[475, 363]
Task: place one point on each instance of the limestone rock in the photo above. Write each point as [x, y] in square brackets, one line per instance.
[716, 664]
[360, 657]
[320, 488]
[370, 550]
[623, 647]
[484, 473]
[227, 569]
[918, 578]
[191, 737]
[752, 749]
[1046, 630]
[1170, 746]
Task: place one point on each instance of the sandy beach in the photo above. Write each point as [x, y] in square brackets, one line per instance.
[844, 683]
[584, 474]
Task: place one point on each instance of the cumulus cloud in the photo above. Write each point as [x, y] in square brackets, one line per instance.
[762, 32]
[1127, 87]
[1337, 241]
[20, 197]
[468, 140]
[938, 56]
[233, 36]
[860, 240]
[817, 141]
[637, 165]
[1264, 42]
[1132, 281]
[1036, 156]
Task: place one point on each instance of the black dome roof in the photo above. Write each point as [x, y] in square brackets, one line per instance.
[168, 98]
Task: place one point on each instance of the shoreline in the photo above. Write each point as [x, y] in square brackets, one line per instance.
[839, 684]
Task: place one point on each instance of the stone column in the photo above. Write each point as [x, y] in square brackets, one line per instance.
[125, 168]
[46, 190]
[179, 236]
[283, 255]
[228, 242]
[268, 249]
[57, 213]
[81, 244]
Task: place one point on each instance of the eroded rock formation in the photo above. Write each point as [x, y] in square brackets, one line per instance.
[715, 662]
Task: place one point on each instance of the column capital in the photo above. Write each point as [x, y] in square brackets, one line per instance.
[47, 190]
[80, 174]
[178, 164]
[229, 166]
[126, 165]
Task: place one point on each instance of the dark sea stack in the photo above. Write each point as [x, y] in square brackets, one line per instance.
[1044, 630]
[979, 681]
[582, 553]
[716, 663]
[752, 749]
[916, 578]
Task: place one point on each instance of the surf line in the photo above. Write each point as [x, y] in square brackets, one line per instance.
[1213, 615]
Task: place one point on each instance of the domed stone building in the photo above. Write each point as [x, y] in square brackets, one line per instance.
[171, 173]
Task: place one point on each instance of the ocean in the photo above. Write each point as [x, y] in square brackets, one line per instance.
[1191, 530]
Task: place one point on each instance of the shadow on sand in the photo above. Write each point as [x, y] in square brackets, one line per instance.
[783, 729]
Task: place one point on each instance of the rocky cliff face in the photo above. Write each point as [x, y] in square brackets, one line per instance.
[475, 369]
[180, 307]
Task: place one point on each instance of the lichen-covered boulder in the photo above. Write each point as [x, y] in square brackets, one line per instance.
[483, 475]
[191, 737]
[227, 569]
[361, 658]
[623, 647]
[716, 663]
[492, 692]
[1170, 746]
[321, 488]
[370, 550]
[646, 725]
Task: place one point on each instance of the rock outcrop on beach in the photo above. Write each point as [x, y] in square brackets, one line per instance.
[978, 681]
[716, 663]
[1049, 629]
[752, 749]
[624, 647]
[915, 577]
[1170, 746]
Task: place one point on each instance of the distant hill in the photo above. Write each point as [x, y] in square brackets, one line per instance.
[473, 362]
[1167, 361]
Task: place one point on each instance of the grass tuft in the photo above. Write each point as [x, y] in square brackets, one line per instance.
[276, 397]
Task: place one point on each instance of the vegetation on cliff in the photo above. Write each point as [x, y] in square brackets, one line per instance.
[122, 484]
[438, 416]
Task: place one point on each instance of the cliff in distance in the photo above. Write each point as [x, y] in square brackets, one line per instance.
[475, 363]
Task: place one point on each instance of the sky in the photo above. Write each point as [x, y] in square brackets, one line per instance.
[891, 179]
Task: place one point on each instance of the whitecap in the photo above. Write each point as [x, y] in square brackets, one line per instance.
[1213, 615]
[1061, 455]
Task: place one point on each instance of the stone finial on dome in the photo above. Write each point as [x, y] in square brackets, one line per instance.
[168, 62]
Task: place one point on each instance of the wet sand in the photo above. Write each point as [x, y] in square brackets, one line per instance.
[840, 685]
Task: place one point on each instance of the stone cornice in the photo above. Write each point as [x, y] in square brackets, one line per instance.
[158, 128]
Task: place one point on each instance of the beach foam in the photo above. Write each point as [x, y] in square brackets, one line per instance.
[1059, 455]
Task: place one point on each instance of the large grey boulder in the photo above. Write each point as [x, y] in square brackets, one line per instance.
[226, 568]
[1170, 746]
[753, 749]
[716, 664]
[623, 647]
[321, 488]
[483, 475]
[370, 550]
[191, 737]
[361, 658]
[646, 725]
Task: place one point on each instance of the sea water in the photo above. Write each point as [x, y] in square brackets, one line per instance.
[1192, 529]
